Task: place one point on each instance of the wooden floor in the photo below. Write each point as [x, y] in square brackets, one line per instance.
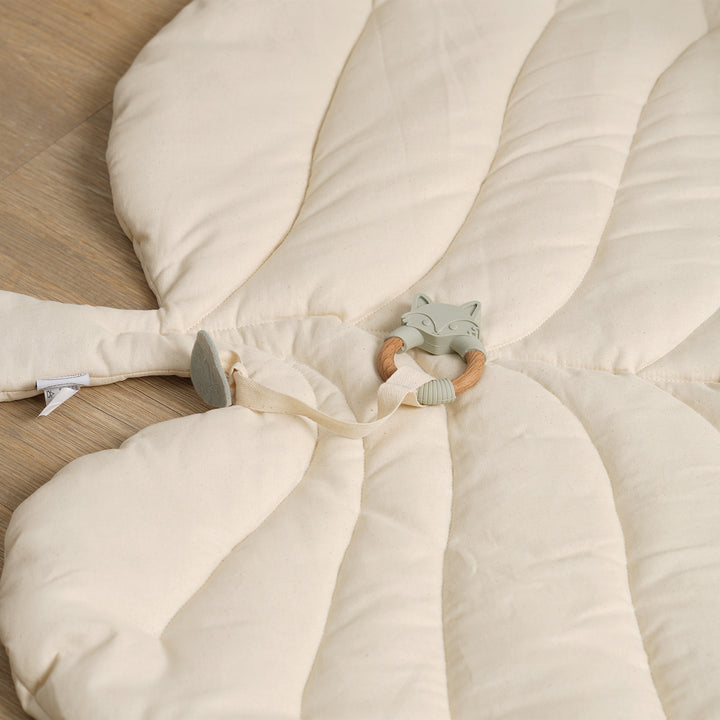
[59, 240]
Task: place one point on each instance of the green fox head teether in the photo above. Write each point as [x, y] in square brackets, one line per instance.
[439, 328]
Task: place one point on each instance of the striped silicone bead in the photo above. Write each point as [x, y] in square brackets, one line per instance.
[436, 392]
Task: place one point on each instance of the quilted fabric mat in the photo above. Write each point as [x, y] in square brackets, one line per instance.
[291, 175]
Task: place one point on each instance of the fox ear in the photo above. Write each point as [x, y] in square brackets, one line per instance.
[419, 300]
[472, 309]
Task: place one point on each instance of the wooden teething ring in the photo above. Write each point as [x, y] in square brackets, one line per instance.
[475, 360]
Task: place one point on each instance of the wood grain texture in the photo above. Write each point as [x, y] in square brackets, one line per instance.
[386, 357]
[60, 61]
[59, 239]
[475, 360]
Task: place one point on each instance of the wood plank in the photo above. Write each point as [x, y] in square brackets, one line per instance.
[59, 239]
[57, 220]
[60, 61]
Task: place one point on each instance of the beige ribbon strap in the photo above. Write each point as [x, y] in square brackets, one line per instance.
[399, 390]
[432, 392]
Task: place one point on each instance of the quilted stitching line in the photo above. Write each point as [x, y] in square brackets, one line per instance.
[353, 535]
[677, 345]
[279, 319]
[299, 368]
[386, 78]
[671, 395]
[612, 209]
[507, 362]
[651, 380]
[352, 539]
[466, 219]
[235, 547]
[622, 530]
[107, 379]
[287, 234]
[679, 379]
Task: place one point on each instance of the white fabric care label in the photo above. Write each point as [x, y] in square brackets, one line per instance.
[58, 390]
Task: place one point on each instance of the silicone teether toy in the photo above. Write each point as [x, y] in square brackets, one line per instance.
[438, 328]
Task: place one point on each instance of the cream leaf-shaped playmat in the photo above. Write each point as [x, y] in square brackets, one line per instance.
[292, 174]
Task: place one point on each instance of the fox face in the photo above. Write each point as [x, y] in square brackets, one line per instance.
[440, 319]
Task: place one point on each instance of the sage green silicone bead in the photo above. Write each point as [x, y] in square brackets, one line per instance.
[436, 392]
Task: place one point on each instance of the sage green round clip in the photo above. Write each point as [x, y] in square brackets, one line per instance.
[207, 374]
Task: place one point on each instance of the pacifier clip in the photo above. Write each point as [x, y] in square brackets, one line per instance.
[435, 327]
